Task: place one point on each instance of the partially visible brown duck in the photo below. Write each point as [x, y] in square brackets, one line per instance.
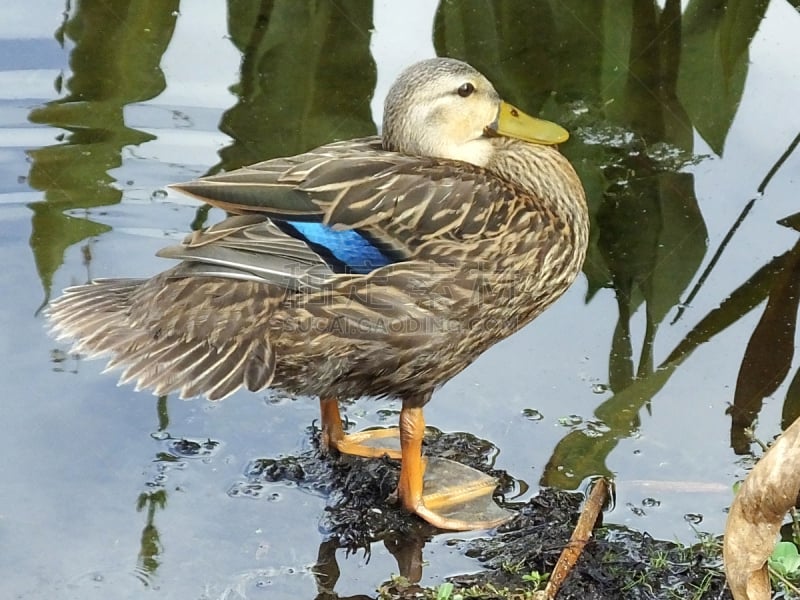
[370, 267]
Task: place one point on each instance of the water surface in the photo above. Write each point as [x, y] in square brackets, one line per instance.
[680, 332]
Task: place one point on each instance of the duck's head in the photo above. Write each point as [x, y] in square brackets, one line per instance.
[444, 108]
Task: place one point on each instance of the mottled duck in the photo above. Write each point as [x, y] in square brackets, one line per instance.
[378, 267]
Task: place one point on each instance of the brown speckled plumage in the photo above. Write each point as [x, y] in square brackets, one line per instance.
[479, 252]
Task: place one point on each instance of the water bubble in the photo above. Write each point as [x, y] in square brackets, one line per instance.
[579, 108]
[651, 502]
[387, 414]
[570, 421]
[599, 388]
[637, 510]
[532, 414]
[158, 194]
[595, 429]
[247, 490]
[693, 518]
[58, 356]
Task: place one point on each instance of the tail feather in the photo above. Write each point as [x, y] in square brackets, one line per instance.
[93, 314]
[100, 318]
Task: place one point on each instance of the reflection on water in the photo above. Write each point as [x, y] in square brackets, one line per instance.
[115, 61]
[151, 540]
[633, 81]
[769, 353]
[306, 78]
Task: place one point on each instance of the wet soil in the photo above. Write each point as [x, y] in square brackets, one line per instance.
[617, 562]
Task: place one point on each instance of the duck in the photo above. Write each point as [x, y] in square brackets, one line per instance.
[374, 267]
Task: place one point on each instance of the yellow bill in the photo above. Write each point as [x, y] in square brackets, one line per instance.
[512, 122]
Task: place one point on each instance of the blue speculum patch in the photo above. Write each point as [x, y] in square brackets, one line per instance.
[346, 251]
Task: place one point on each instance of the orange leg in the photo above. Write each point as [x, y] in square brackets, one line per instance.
[437, 506]
[412, 469]
[474, 494]
[373, 443]
[332, 431]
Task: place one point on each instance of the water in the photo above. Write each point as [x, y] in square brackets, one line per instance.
[102, 104]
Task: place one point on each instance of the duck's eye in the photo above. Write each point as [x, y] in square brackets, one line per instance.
[466, 89]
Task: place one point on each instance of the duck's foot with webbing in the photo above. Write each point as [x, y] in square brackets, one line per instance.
[444, 493]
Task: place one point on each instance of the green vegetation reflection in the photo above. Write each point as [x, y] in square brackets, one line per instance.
[635, 81]
[115, 62]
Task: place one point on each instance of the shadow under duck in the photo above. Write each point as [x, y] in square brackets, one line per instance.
[380, 266]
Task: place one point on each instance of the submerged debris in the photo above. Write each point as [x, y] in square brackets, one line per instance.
[361, 507]
[617, 563]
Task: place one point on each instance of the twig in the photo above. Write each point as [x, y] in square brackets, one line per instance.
[580, 536]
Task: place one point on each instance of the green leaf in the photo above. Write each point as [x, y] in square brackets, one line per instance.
[445, 591]
[785, 559]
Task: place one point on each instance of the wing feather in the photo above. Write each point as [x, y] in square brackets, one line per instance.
[398, 202]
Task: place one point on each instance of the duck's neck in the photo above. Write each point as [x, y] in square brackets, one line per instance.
[552, 186]
[543, 172]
